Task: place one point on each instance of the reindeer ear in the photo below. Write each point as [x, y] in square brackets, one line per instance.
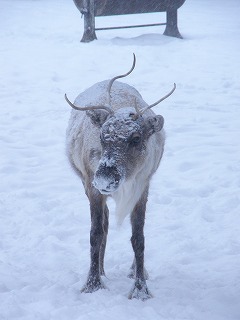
[154, 124]
[98, 117]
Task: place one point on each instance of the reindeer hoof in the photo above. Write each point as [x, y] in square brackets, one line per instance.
[140, 291]
[92, 285]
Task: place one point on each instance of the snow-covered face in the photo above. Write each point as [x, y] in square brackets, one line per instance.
[123, 147]
[123, 138]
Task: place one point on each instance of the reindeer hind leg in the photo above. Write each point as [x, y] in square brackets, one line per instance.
[140, 289]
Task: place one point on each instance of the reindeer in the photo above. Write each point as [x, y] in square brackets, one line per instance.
[115, 143]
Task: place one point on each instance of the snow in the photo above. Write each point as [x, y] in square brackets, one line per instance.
[121, 126]
[192, 224]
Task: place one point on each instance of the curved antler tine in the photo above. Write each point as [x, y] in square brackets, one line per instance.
[160, 100]
[136, 107]
[89, 107]
[121, 76]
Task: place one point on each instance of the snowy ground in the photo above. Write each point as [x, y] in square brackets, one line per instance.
[192, 227]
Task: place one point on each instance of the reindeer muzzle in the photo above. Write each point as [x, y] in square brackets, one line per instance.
[107, 179]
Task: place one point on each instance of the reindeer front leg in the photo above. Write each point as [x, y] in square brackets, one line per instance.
[104, 241]
[140, 289]
[97, 240]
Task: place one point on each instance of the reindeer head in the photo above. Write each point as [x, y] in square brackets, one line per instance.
[124, 135]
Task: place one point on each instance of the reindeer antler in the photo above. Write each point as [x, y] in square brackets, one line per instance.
[141, 112]
[118, 77]
[88, 107]
[107, 108]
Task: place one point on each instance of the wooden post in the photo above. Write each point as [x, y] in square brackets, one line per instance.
[89, 22]
[171, 27]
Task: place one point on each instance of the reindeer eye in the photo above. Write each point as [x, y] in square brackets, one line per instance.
[135, 140]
